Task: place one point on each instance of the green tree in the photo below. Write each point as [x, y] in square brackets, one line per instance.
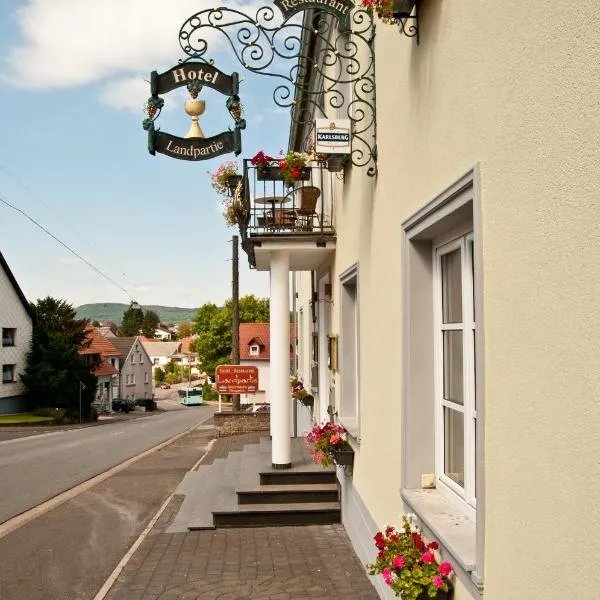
[213, 326]
[55, 369]
[184, 329]
[132, 320]
[149, 323]
[159, 376]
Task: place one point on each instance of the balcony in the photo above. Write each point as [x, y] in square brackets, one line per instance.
[298, 219]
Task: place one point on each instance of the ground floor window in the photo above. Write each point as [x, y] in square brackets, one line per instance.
[8, 373]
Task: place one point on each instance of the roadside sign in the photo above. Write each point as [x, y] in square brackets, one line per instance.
[236, 379]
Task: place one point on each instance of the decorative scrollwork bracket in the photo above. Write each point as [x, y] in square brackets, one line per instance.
[320, 53]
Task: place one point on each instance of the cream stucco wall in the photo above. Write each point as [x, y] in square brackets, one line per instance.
[14, 316]
[511, 87]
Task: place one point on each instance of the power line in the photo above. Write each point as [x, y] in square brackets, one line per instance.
[59, 217]
[87, 262]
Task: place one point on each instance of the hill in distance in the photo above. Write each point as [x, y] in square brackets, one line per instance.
[113, 311]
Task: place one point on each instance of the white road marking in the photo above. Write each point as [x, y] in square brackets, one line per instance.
[117, 433]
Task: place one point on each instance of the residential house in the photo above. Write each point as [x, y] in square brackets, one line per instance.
[16, 322]
[100, 349]
[255, 350]
[186, 358]
[451, 302]
[162, 332]
[135, 369]
[161, 353]
[108, 329]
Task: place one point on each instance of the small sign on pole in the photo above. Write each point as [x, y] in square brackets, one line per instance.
[236, 379]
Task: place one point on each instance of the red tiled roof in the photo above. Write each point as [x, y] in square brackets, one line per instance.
[259, 334]
[143, 338]
[99, 344]
[104, 369]
[185, 344]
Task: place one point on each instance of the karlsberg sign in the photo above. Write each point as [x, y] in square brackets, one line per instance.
[333, 136]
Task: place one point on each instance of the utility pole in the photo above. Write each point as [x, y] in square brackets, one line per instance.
[235, 310]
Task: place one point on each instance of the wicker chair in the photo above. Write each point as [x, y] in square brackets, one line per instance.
[307, 210]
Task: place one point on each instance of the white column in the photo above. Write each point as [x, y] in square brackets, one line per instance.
[281, 430]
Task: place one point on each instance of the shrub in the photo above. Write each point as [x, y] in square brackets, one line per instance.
[208, 393]
[149, 404]
[49, 411]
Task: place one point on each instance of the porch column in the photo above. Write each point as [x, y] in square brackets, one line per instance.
[281, 430]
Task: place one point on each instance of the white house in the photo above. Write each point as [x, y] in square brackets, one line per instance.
[16, 322]
[160, 353]
[135, 380]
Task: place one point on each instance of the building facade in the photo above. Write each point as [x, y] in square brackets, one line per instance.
[134, 381]
[453, 315]
[16, 323]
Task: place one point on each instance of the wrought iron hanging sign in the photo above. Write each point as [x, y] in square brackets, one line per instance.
[194, 146]
[331, 68]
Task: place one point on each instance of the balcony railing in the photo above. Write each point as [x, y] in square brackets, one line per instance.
[272, 208]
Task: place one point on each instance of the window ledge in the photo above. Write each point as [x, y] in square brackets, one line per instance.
[453, 530]
[351, 425]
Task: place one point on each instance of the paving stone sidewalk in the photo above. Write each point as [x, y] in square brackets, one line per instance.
[314, 562]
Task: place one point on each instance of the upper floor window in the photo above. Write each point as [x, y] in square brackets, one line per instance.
[8, 336]
[132, 358]
[8, 373]
[254, 350]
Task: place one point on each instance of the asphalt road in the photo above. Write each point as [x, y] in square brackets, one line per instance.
[69, 552]
[33, 470]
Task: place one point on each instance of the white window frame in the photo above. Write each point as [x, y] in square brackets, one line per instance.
[467, 494]
[11, 338]
[254, 350]
[12, 373]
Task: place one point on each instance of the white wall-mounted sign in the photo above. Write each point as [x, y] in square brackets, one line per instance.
[333, 136]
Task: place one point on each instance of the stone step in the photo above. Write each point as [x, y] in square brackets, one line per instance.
[297, 476]
[267, 515]
[291, 493]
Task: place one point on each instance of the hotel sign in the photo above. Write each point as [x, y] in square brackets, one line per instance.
[333, 136]
[195, 75]
[236, 379]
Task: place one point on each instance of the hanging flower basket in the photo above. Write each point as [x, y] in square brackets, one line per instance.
[336, 162]
[232, 182]
[402, 8]
[269, 173]
[343, 458]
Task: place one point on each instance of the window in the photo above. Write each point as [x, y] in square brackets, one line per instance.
[8, 373]
[145, 377]
[348, 360]
[8, 336]
[455, 366]
[254, 350]
[442, 397]
[132, 357]
[141, 359]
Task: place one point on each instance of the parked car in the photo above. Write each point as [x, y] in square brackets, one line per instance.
[165, 386]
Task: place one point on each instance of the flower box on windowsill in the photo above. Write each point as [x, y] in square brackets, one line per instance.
[343, 458]
[271, 173]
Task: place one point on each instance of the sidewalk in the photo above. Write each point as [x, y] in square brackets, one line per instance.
[313, 562]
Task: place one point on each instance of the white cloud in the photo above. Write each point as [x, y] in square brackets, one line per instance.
[128, 93]
[69, 43]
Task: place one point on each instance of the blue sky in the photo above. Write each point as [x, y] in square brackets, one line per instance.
[73, 81]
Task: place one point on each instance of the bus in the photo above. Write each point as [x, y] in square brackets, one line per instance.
[190, 396]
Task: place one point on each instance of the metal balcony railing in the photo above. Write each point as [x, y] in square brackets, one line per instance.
[272, 208]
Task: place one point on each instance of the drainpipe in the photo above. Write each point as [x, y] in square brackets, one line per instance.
[295, 351]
